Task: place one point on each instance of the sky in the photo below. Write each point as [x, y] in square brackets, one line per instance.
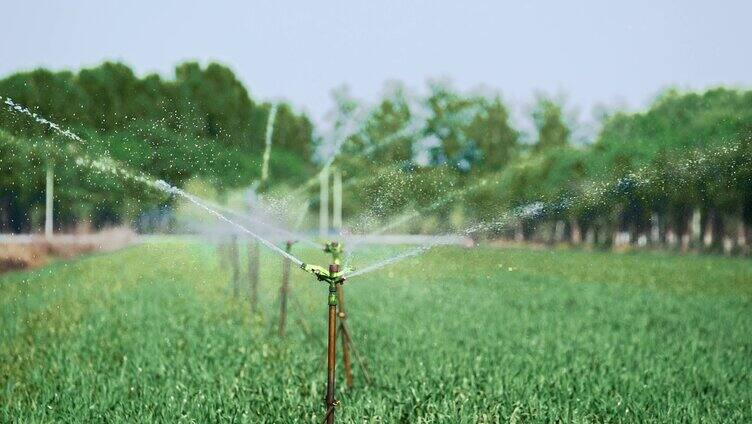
[591, 52]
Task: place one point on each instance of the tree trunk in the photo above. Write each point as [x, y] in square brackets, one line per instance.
[707, 229]
[742, 239]
[558, 232]
[590, 236]
[5, 214]
[655, 229]
[519, 233]
[642, 240]
[695, 230]
[671, 238]
[719, 232]
[575, 232]
[605, 235]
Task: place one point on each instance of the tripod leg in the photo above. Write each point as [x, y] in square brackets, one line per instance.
[346, 332]
[345, 344]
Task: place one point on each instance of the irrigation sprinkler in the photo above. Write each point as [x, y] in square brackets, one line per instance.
[333, 276]
[335, 249]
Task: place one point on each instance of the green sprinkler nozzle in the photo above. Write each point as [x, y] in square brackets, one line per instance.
[335, 248]
[335, 274]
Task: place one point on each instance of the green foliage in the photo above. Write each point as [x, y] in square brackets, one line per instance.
[687, 152]
[675, 123]
[452, 155]
[493, 135]
[549, 121]
[200, 124]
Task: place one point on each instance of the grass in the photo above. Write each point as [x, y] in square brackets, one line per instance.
[152, 333]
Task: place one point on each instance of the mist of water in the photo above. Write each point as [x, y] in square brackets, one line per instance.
[261, 223]
[394, 259]
[109, 166]
[167, 188]
[595, 193]
[302, 214]
[444, 200]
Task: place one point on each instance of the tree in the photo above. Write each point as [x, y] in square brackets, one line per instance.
[549, 121]
[493, 135]
[201, 124]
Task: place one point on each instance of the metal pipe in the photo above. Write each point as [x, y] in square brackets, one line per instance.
[332, 347]
[345, 339]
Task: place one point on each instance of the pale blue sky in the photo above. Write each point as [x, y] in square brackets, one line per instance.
[595, 51]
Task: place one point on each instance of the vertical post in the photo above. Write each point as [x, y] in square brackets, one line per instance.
[695, 228]
[253, 273]
[324, 202]
[331, 348]
[235, 266]
[220, 254]
[283, 291]
[345, 337]
[337, 200]
[48, 224]
[268, 142]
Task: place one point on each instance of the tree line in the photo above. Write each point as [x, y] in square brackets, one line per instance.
[675, 175]
[201, 123]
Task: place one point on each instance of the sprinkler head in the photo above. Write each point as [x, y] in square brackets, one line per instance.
[334, 275]
[332, 247]
[335, 248]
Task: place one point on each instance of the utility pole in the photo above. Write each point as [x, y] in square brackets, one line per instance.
[48, 201]
[324, 202]
[337, 200]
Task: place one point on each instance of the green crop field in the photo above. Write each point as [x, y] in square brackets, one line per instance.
[153, 333]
